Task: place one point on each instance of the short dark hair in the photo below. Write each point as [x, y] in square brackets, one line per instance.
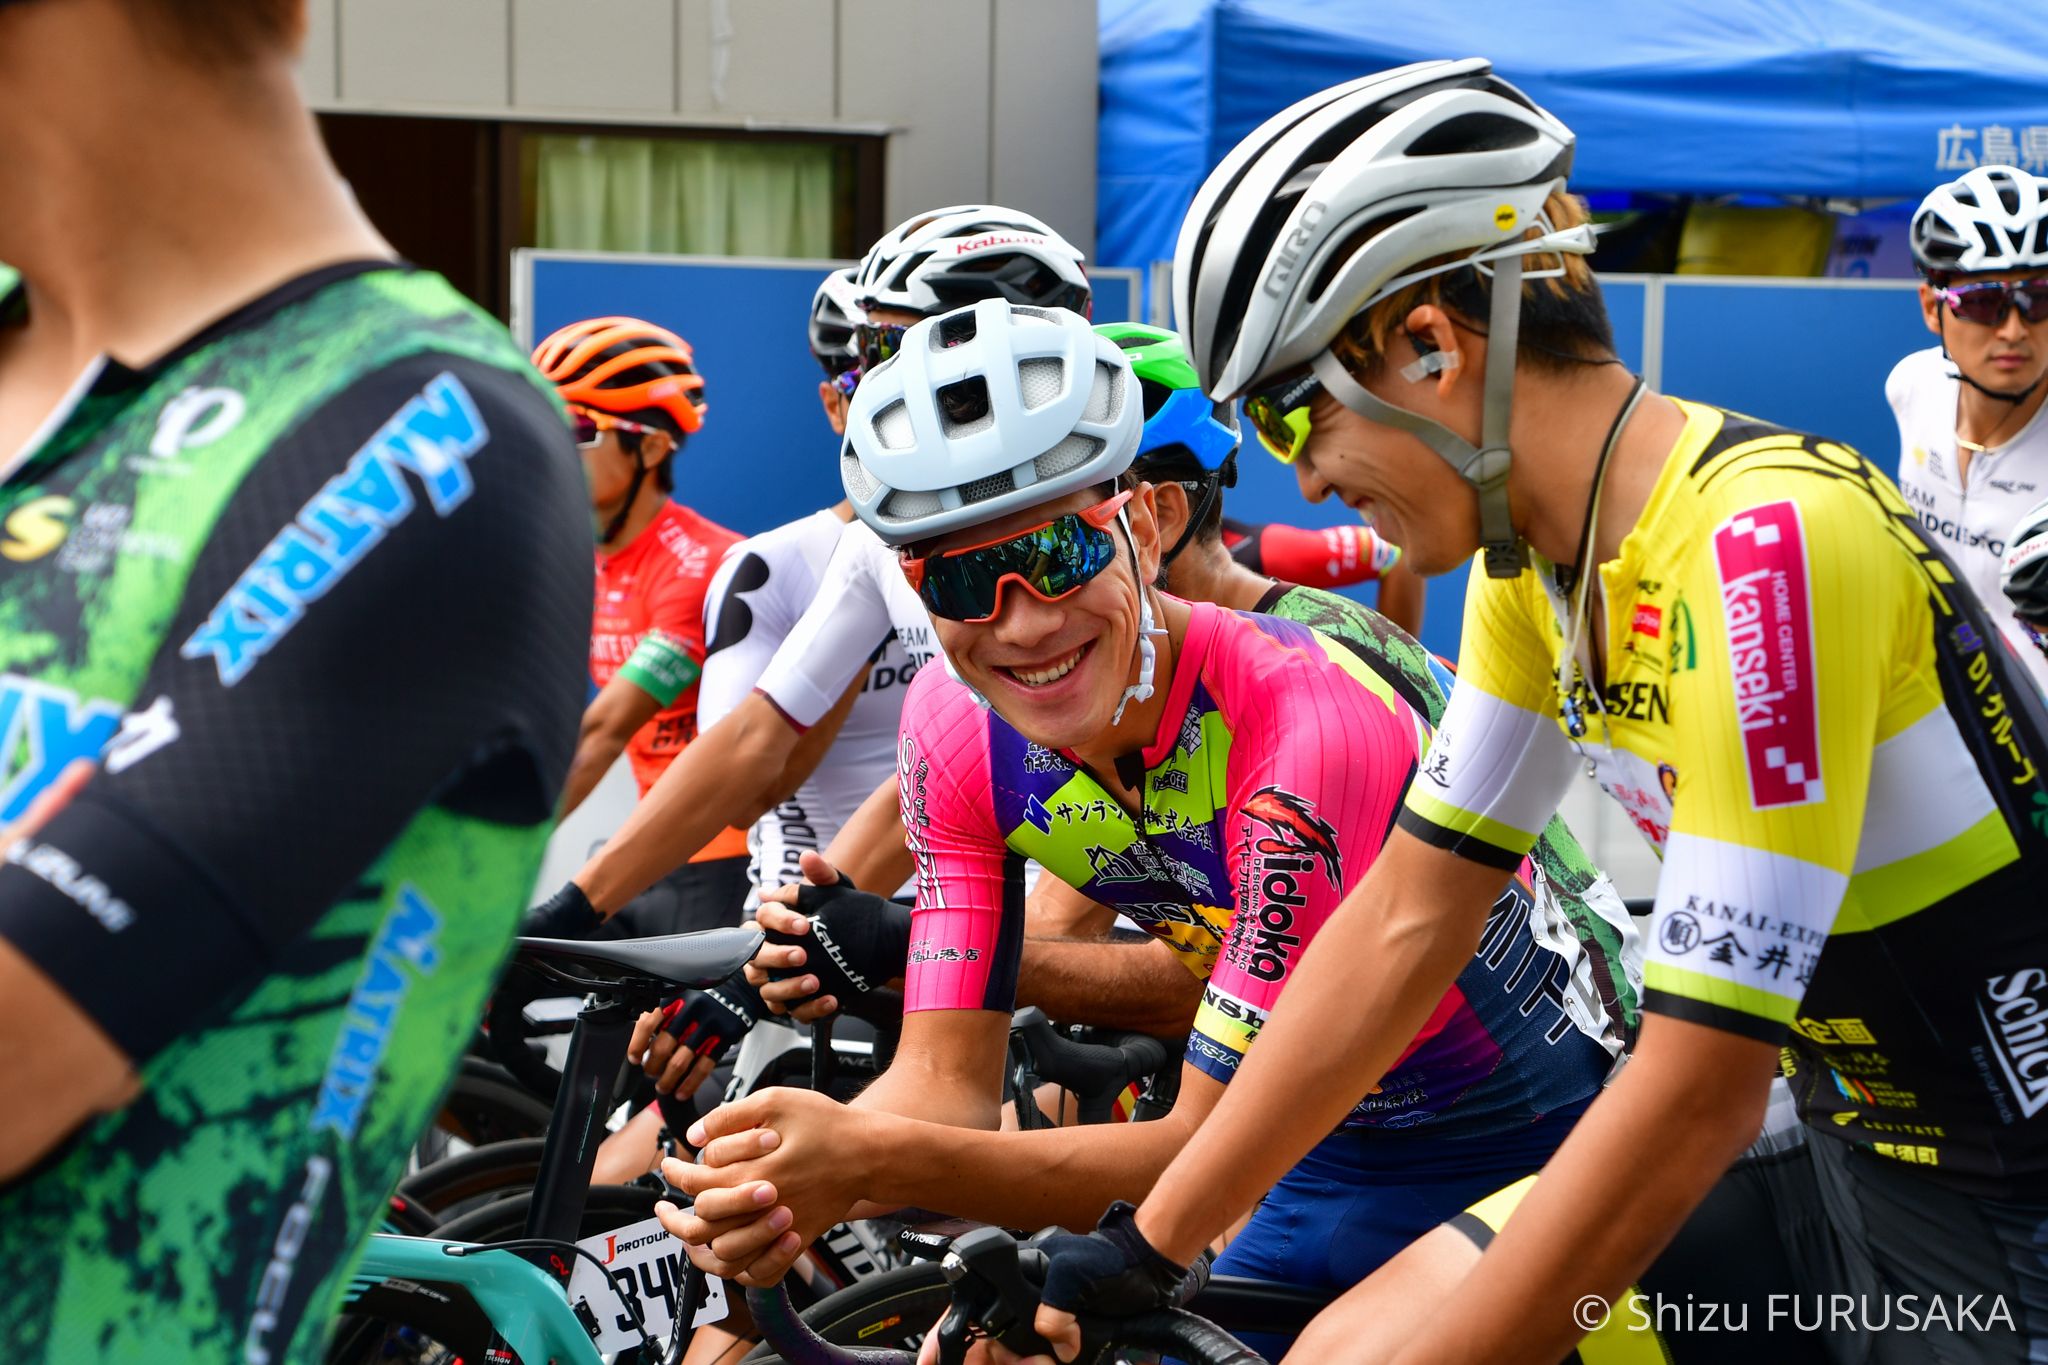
[224, 30]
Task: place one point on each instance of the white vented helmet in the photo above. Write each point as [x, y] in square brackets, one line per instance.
[2023, 576]
[982, 411]
[946, 258]
[1333, 204]
[1994, 218]
[835, 311]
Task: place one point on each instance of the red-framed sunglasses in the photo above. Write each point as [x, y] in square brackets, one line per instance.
[1051, 560]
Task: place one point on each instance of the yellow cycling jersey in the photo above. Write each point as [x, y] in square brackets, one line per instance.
[1808, 715]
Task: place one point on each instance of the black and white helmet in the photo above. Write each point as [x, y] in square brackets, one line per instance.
[835, 312]
[983, 411]
[2023, 575]
[1336, 202]
[1994, 218]
[945, 258]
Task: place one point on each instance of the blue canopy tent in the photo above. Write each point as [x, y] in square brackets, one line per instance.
[1843, 98]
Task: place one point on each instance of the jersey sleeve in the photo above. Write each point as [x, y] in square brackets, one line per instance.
[967, 929]
[1498, 765]
[670, 654]
[1330, 557]
[740, 639]
[1317, 766]
[1773, 736]
[390, 613]
[835, 637]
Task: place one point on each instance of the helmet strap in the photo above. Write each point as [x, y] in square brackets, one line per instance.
[1212, 490]
[618, 522]
[1148, 653]
[1941, 323]
[1484, 466]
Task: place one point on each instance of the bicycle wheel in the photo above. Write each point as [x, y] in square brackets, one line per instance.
[486, 1104]
[895, 1308]
[468, 1180]
[404, 1322]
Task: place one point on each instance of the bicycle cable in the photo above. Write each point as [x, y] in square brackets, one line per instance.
[632, 1304]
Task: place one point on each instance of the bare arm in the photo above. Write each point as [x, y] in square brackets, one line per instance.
[1402, 591]
[869, 847]
[1137, 986]
[948, 1069]
[809, 752]
[612, 719]
[706, 789]
[1056, 910]
[1364, 987]
[1612, 1197]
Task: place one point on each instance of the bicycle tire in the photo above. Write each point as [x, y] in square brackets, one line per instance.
[868, 1312]
[461, 1183]
[397, 1321]
[485, 1104]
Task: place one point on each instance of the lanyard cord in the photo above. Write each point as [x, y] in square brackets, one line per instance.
[1578, 578]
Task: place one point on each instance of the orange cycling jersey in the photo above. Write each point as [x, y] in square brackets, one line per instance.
[648, 627]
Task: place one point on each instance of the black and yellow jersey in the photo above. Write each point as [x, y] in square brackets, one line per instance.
[1810, 717]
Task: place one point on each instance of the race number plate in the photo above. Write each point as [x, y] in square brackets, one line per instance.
[643, 1263]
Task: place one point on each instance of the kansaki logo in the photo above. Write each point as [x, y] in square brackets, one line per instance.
[1761, 557]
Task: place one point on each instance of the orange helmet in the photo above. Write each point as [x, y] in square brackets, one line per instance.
[625, 367]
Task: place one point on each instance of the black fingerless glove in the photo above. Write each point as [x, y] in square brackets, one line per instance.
[566, 914]
[1114, 1272]
[709, 1021]
[858, 942]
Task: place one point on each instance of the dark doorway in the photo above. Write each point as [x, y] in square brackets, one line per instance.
[431, 185]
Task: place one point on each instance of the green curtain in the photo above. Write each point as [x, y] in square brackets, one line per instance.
[709, 198]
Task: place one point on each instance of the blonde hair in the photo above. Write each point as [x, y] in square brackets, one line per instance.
[1564, 319]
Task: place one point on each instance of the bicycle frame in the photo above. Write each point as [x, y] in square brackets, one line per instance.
[528, 1308]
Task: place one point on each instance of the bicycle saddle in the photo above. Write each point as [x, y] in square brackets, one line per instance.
[642, 966]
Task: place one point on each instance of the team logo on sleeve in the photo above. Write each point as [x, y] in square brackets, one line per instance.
[1760, 555]
[1297, 831]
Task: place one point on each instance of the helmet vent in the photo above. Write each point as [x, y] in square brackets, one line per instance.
[904, 505]
[855, 478]
[1468, 133]
[893, 429]
[1041, 380]
[954, 330]
[1071, 453]
[964, 407]
[981, 490]
[1341, 255]
[1105, 396]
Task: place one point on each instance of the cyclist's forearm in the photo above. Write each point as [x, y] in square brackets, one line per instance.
[595, 754]
[869, 847]
[1137, 986]
[1075, 1173]
[1363, 989]
[808, 752]
[698, 796]
[948, 1070]
[1612, 1197]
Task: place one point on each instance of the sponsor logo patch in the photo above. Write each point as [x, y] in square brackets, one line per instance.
[1760, 555]
[2014, 1009]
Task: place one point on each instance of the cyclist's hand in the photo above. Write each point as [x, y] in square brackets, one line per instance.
[777, 1169]
[1112, 1272]
[983, 1351]
[654, 1050]
[854, 944]
[566, 914]
[696, 1029]
[777, 969]
[817, 872]
[48, 802]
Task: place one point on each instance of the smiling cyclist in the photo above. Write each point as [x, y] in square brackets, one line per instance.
[1973, 449]
[1219, 777]
[1857, 824]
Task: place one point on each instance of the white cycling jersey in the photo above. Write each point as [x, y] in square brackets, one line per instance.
[862, 600]
[755, 601]
[1971, 514]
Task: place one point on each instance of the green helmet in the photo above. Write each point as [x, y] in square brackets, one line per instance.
[1181, 423]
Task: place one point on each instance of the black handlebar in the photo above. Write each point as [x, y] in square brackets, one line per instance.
[1095, 1072]
[995, 1295]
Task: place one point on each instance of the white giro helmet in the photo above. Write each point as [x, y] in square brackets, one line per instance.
[2023, 576]
[982, 411]
[1334, 203]
[835, 312]
[945, 258]
[1994, 218]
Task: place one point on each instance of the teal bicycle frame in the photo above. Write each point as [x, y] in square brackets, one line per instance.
[527, 1306]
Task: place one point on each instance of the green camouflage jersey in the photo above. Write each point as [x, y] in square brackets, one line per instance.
[1560, 870]
[314, 590]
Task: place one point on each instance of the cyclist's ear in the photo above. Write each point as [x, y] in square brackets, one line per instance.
[1435, 344]
[1143, 510]
[1930, 308]
[656, 446]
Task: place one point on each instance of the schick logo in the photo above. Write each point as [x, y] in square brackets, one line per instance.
[431, 436]
[43, 730]
[2016, 1022]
